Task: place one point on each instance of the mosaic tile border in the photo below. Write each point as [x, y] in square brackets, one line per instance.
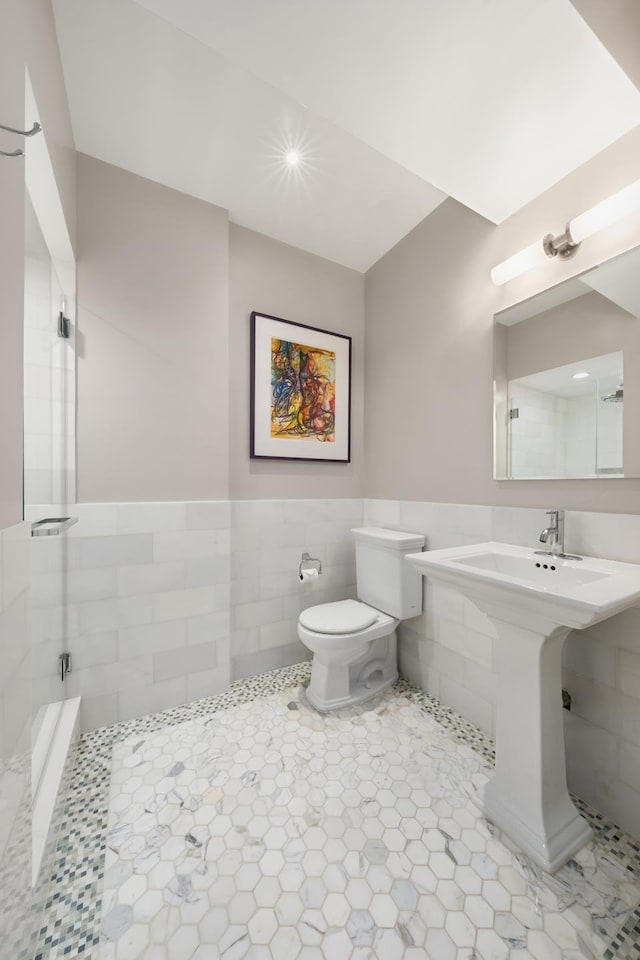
[72, 912]
[627, 943]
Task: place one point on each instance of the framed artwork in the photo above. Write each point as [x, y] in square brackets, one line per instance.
[300, 391]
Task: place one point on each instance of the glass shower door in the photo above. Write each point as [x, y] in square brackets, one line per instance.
[49, 486]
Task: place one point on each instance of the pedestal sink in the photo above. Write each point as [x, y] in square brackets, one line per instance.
[533, 602]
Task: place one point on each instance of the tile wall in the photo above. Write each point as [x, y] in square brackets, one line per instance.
[448, 650]
[536, 449]
[268, 538]
[15, 742]
[556, 436]
[170, 602]
[165, 603]
[146, 607]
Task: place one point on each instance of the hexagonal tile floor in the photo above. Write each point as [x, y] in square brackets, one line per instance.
[268, 832]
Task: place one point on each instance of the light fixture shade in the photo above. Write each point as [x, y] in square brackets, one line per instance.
[609, 211]
[625, 203]
[521, 262]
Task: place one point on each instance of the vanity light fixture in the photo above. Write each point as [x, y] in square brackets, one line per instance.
[582, 375]
[622, 204]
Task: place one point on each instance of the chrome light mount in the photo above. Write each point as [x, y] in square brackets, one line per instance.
[563, 246]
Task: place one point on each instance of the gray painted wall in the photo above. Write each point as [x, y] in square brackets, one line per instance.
[617, 24]
[282, 281]
[589, 326]
[429, 348]
[153, 355]
[165, 290]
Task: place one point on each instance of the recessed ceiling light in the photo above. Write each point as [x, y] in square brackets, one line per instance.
[292, 157]
[581, 376]
[292, 160]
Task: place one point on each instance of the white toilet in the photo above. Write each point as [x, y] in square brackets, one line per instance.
[354, 641]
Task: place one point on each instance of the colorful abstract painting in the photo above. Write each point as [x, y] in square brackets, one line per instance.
[300, 391]
[303, 397]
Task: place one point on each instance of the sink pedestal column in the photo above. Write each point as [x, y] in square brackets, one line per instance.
[527, 796]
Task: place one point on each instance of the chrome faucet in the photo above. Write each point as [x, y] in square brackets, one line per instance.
[553, 535]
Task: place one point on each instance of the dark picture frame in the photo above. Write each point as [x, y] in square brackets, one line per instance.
[300, 399]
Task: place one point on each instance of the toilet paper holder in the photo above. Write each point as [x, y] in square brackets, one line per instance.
[309, 563]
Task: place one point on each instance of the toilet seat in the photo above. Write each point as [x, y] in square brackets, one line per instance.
[343, 616]
[380, 625]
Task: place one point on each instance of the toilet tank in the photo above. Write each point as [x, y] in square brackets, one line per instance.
[385, 579]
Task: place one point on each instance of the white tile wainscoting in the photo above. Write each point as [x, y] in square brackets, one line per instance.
[165, 603]
[144, 611]
[448, 650]
[268, 538]
[15, 741]
[170, 602]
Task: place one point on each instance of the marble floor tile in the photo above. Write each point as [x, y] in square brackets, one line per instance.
[248, 832]
[249, 826]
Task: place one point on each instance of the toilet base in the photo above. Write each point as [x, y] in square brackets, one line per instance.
[336, 684]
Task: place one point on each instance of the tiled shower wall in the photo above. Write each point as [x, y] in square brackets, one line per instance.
[165, 603]
[448, 650]
[15, 742]
[146, 607]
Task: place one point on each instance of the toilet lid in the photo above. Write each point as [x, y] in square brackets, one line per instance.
[345, 616]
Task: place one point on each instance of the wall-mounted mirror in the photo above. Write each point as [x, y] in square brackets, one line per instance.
[567, 378]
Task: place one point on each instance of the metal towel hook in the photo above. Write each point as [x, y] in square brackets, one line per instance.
[36, 128]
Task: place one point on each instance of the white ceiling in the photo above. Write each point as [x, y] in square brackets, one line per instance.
[605, 374]
[395, 104]
[149, 98]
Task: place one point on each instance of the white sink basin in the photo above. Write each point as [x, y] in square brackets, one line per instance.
[572, 593]
[550, 575]
[533, 602]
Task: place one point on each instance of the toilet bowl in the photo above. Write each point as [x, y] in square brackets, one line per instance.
[354, 642]
[354, 652]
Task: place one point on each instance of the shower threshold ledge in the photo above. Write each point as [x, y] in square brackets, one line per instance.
[533, 602]
[56, 730]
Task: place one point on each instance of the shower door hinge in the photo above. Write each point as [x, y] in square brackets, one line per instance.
[514, 413]
[63, 326]
[65, 664]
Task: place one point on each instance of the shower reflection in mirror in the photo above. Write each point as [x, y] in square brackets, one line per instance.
[566, 365]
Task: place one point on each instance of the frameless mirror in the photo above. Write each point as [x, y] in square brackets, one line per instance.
[566, 366]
